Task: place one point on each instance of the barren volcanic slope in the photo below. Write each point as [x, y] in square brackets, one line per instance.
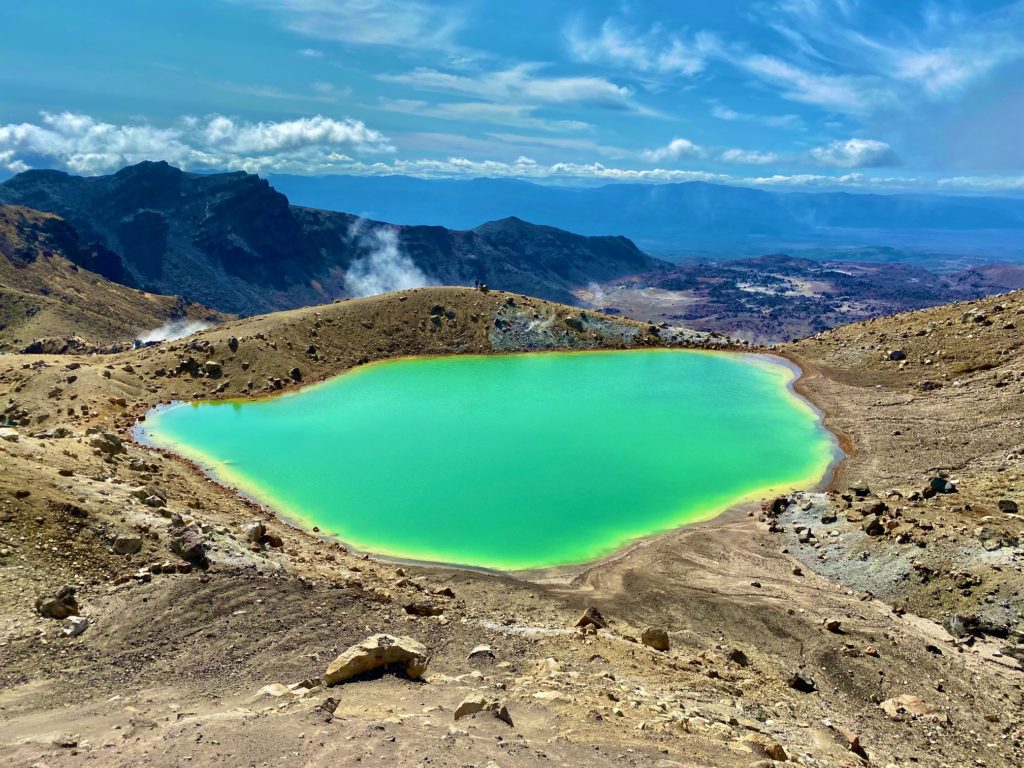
[48, 296]
[768, 659]
[232, 242]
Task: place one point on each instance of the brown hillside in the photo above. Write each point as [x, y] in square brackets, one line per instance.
[44, 295]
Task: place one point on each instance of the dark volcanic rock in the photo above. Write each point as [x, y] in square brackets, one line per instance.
[233, 242]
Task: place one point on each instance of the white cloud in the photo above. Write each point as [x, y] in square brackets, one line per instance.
[748, 157]
[932, 60]
[984, 183]
[852, 94]
[653, 52]
[225, 134]
[311, 53]
[788, 121]
[520, 84]
[509, 115]
[677, 149]
[83, 144]
[10, 163]
[855, 153]
[577, 144]
[397, 23]
[945, 70]
[327, 96]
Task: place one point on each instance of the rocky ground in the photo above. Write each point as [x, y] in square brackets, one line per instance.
[211, 624]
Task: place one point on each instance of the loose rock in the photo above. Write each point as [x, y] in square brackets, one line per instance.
[656, 638]
[379, 651]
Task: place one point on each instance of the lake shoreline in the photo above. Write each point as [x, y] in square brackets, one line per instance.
[562, 573]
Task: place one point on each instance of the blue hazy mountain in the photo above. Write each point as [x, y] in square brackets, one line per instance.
[684, 218]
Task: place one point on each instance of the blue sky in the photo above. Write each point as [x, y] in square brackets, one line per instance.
[851, 94]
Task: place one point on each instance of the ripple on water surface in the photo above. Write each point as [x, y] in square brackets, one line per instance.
[517, 461]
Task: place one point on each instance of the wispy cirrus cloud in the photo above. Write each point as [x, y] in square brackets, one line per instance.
[83, 144]
[654, 51]
[509, 115]
[787, 121]
[521, 84]
[748, 157]
[408, 24]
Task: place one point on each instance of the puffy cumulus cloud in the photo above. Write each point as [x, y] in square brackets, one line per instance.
[272, 138]
[855, 153]
[677, 149]
[748, 157]
[10, 163]
[83, 144]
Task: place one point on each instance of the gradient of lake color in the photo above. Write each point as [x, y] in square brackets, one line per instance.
[514, 461]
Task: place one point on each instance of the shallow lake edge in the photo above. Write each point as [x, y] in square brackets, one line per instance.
[556, 573]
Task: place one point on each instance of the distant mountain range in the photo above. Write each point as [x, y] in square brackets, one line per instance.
[234, 243]
[685, 218]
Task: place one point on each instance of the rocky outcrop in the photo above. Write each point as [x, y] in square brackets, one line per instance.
[379, 652]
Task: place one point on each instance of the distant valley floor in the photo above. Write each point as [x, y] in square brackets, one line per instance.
[779, 298]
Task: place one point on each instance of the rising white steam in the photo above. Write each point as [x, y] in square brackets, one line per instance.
[174, 329]
[385, 268]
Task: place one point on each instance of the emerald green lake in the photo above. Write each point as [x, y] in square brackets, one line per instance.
[515, 461]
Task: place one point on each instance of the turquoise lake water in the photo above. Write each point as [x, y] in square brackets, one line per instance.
[514, 461]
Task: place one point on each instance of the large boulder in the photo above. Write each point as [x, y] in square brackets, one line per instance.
[376, 652]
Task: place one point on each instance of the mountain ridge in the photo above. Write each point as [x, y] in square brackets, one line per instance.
[235, 243]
